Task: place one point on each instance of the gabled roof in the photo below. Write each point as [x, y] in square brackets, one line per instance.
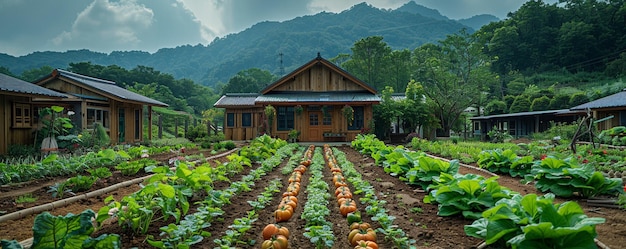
[318, 60]
[105, 87]
[615, 100]
[522, 114]
[236, 100]
[318, 97]
[15, 85]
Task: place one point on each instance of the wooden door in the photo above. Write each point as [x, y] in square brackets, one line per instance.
[317, 125]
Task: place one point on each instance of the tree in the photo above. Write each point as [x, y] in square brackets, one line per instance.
[251, 80]
[413, 108]
[540, 104]
[37, 73]
[369, 61]
[496, 107]
[560, 101]
[520, 104]
[454, 76]
[578, 99]
[387, 110]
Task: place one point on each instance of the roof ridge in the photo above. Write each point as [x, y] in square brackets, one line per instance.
[72, 74]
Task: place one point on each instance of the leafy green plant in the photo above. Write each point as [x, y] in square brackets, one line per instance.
[133, 167]
[321, 236]
[80, 183]
[27, 198]
[467, 194]
[70, 231]
[566, 178]
[505, 161]
[533, 221]
[59, 189]
[428, 170]
[101, 172]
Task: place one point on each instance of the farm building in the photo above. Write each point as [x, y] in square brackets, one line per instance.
[17, 102]
[317, 100]
[93, 100]
[521, 124]
[612, 108]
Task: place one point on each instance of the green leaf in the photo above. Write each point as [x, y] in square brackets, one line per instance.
[56, 108]
[167, 190]
[68, 231]
[10, 244]
[105, 241]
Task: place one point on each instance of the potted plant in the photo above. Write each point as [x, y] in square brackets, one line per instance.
[53, 126]
[348, 113]
[293, 135]
[299, 109]
[270, 113]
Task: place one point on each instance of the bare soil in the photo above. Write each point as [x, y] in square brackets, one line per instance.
[428, 229]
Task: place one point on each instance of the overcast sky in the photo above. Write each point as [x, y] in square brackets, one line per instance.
[104, 26]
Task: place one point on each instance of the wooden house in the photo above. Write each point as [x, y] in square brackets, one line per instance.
[521, 124]
[611, 108]
[316, 99]
[17, 110]
[120, 111]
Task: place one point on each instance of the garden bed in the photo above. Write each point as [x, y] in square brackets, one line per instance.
[420, 221]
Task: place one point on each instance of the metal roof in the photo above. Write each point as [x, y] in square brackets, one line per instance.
[236, 100]
[615, 100]
[109, 87]
[320, 97]
[521, 114]
[11, 84]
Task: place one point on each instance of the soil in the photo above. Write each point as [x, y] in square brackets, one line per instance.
[428, 229]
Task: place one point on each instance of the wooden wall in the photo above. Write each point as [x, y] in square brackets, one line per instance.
[319, 79]
[238, 132]
[8, 134]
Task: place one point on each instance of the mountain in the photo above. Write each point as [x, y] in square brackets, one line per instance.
[298, 40]
[478, 21]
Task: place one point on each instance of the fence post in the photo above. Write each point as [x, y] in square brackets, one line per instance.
[160, 135]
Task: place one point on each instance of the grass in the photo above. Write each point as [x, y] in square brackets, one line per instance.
[27, 198]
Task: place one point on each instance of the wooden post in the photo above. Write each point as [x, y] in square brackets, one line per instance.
[149, 123]
[160, 135]
[186, 126]
[175, 127]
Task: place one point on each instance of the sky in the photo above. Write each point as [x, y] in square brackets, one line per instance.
[105, 26]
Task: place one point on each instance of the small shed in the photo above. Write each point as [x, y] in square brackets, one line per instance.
[521, 124]
[612, 107]
[314, 100]
[120, 111]
[17, 103]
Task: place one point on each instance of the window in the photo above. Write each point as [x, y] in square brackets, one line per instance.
[137, 124]
[327, 120]
[359, 119]
[21, 116]
[121, 125]
[97, 115]
[246, 119]
[313, 119]
[285, 118]
[230, 119]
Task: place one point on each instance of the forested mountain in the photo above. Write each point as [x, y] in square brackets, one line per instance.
[259, 46]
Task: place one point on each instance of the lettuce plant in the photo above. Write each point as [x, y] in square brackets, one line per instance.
[533, 221]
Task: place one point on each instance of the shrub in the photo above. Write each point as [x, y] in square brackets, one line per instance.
[498, 136]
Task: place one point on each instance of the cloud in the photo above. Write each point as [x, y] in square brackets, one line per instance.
[115, 24]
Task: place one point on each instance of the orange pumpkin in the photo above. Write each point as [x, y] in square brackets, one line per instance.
[357, 235]
[276, 242]
[306, 163]
[340, 184]
[274, 229]
[345, 194]
[363, 244]
[360, 225]
[283, 213]
[348, 206]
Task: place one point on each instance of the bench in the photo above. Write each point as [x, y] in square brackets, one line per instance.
[332, 136]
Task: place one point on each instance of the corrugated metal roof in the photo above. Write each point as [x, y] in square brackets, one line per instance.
[11, 84]
[318, 97]
[110, 87]
[615, 100]
[521, 114]
[236, 99]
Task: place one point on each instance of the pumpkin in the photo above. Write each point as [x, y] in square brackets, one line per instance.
[345, 194]
[357, 235]
[341, 189]
[348, 206]
[283, 213]
[360, 225]
[288, 201]
[274, 229]
[276, 242]
[301, 169]
[337, 178]
[363, 244]
[306, 163]
[340, 184]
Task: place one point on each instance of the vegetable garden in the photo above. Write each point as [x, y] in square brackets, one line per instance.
[274, 194]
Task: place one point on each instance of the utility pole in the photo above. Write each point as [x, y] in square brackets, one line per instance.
[282, 68]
